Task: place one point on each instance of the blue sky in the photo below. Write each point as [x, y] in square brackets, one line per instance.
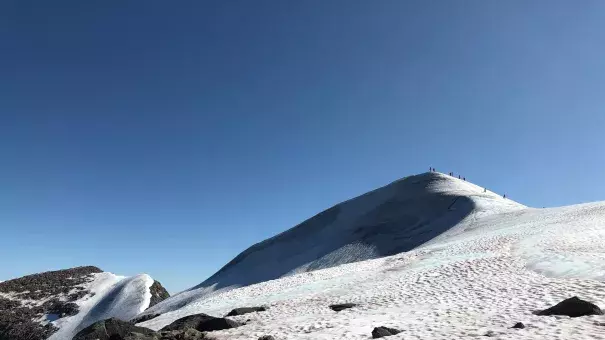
[166, 137]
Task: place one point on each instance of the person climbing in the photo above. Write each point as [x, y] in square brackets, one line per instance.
[464, 178]
[484, 190]
[458, 176]
[504, 196]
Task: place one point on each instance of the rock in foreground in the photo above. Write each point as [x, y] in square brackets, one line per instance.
[202, 323]
[246, 310]
[573, 307]
[380, 332]
[342, 306]
[111, 329]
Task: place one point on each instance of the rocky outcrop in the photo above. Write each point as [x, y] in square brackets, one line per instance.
[572, 307]
[112, 329]
[380, 332]
[158, 293]
[246, 310]
[202, 323]
[20, 314]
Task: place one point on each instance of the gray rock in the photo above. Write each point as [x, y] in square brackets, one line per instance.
[381, 331]
[188, 334]
[572, 307]
[266, 337]
[246, 310]
[519, 325]
[202, 323]
[342, 306]
[112, 329]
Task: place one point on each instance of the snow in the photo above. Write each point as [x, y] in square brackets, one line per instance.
[493, 267]
[114, 297]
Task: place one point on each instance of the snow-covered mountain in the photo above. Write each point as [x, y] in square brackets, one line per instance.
[463, 263]
[395, 218]
[57, 304]
[431, 255]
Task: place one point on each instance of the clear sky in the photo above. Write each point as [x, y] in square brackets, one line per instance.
[167, 136]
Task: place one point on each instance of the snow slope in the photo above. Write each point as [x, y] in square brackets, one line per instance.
[491, 265]
[114, 296]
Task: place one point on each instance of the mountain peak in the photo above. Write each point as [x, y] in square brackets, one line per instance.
[395, 218]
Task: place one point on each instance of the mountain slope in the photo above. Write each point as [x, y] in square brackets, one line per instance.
[395, 218]
[491, 270]
[57, 304]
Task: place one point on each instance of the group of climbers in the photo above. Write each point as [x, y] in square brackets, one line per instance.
[431, 169]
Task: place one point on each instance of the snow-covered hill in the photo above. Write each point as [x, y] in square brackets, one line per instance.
[472, 264]
[395, 218]
[57, 304]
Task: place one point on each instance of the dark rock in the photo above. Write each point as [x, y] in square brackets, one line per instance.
[490, 334]
[572, 307]
[380, 332]
[144, 318]
[112, 329]
[519, 325]
[342, 306]
[246, 310]
[188, 334]
[266, 337]
[202, 323]
[158, 293]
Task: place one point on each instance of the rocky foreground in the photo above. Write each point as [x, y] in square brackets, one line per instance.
[32, 307]
[201, 326]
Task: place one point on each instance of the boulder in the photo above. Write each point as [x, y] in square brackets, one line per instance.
[112, 329]
[266, 337]
[246, 310]
[202, 323]
[572, 307]
[342, 306]
[519, 325]
[381, 331]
